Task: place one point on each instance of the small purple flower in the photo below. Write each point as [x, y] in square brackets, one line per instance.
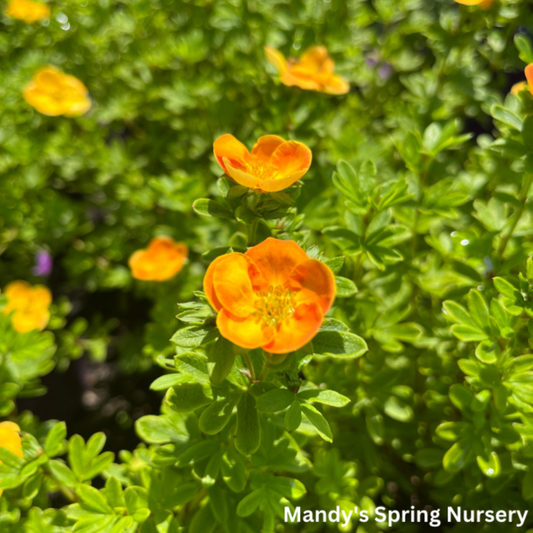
[385, 71]
[371, 62]
[43, 264]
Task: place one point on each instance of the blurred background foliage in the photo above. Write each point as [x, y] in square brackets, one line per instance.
[441, 404]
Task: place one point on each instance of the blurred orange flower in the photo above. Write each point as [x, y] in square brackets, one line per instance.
[27, 10]
[54, 93]
[10, 439]
[517, 87]
[483, 4]
[28, 304]
[161, 261]
[273, 165]
[313, 71]
[272, 297]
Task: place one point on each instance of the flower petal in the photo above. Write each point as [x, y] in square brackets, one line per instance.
[276, 259]
[228, 147]
[276, 58]
[313, 281]
[292, 157]
[209, 287]
[336, 85]
[248, 332]
[529, 77]
[299, 77]
[241, 177]
[232, 284]
[265, 146]
[317, 59]
[298, 330]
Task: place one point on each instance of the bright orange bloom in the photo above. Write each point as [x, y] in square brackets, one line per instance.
[483, 4]
[517, 87]
[273, 165]
[10, 439]
[27, 11]
[54, 93]
[313, 71]
[272, 297]
[28, 304]
[162, 260]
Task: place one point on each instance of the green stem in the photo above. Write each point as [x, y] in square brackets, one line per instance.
[252, 231]
[264, 371]
[517, 216]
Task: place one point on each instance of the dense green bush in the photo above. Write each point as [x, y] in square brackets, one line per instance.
[418, 390]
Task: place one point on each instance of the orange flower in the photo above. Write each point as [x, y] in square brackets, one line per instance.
[162, 260]
[28, 304]
[273, 164]
[272, 297]
[313, 71]
[27, 11]
[10, 439]
[521, 85]
[483, 4]
[54, 93]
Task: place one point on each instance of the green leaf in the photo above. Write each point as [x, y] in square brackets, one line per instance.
[459, 455]
[248, 437]
[76, 455]
[209, 208]
[468, 333]
[527, 485]
[345, 287]
[461, 397]
[339, 344]
[186, 397]
[63, 473]
[479, 309]
[234, 470]
[160, 429]
[398, 410]
[429, 457]
[222, 354]
[192, 364]
[293, 416]
[54, 440]
[458, 313]
[318, 421]
[93, 500]
[490, 465]
[505, 288]
[327, 397]
[194, 336]
[506, 116]
[251, 502]
[275, 400]
[335, 264]
[168, 380]
[523, 45]
[215, 417]
[198, 452]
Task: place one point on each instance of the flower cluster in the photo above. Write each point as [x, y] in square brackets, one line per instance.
[28, 306]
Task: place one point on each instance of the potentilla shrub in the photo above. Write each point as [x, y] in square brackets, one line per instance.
[312, 221]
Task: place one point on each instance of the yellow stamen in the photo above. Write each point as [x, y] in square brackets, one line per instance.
[274, 306]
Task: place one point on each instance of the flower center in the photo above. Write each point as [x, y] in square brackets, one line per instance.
[274, 305]
[261, 169]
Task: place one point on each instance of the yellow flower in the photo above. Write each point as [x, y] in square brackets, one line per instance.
[27, 11]
[313, 71]
[28, 304]
[161, 261]
[483, 4]
[10, 439]
[54, 93]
